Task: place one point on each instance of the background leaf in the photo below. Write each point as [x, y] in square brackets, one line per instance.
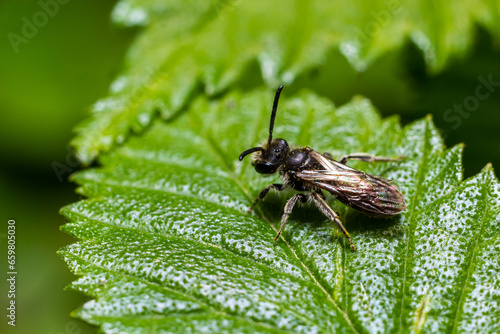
[190, 45]
[165, 243]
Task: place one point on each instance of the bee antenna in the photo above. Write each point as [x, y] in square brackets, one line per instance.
[250, 150]
[273, 114]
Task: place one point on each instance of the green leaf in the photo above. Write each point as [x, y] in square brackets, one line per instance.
[165, 243]
[188, 44]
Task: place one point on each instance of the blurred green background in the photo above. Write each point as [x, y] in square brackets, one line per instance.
[47, 86]
[45, 89]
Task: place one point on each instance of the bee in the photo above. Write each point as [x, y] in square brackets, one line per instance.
[310, 172]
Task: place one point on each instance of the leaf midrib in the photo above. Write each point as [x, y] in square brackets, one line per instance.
[410, 220]
[246, 192]
[471, 263]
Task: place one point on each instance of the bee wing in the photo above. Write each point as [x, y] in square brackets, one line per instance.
[364, 192]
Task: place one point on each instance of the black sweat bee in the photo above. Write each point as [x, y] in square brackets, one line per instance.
[310, 172]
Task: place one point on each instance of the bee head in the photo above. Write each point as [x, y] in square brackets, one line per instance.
[269, 158]
[271, 154]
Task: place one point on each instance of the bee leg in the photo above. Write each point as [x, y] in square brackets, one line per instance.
[367, 158]
[263, 193]
[328, 155]
[329, 213]
[288, 210]
[320, 193]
